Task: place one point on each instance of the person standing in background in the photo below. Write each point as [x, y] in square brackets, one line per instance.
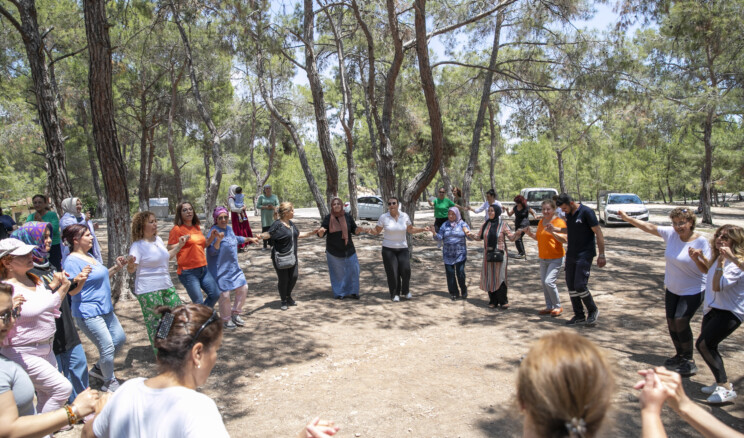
[241, 227]
[44, 214]
[73, 209]
[267, 203]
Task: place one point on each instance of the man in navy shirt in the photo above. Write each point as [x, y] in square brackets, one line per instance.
[583, 229]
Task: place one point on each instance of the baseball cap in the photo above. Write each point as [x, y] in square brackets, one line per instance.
[14, 247]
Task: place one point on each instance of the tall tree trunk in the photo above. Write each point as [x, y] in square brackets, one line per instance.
[210, 199]
[482, 108]
[426, 175]
[90, 148]
[561, 173]
[261, 178]
[707, 170]
[46, 99]
[144, 174]
[175, 80]
[495, 135]
[446, 181]
[104, 132]
[319, 105]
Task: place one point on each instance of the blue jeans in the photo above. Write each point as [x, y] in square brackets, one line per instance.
[455, 275]
[344, 272]
[194, 280]
[74, 366]
[105, 332]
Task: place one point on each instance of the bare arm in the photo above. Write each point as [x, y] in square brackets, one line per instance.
[413, 230]
[601, 260]
[13, 426]
[119, 264]
[308, 234]
[641, 225]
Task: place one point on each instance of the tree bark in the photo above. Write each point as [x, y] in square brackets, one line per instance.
[707, 169]
[46, 100]
[175, 80]
[479, 120]
[261, 178]
[561, 176]
[210, 199]
[90, 148]
[494, 134]
[104, 132]
[319, 105]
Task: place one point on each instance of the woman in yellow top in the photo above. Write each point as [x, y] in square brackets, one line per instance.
[551, 252]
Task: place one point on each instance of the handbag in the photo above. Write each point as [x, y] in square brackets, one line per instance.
[495, 255]
[286, 260]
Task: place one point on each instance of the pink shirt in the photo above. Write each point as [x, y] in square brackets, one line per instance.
[36, 321]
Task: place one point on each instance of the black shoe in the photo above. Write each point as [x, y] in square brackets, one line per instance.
[674, 362]
[465, 296]
[687, 368]
[592, 320]
[453, 297]
[339, 297]
[292, 302]
[284, 305]
[354, 296]
[576, 320]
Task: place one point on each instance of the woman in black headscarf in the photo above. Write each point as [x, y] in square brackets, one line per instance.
[495, 258]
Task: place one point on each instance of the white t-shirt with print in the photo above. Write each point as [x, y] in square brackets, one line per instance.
[682, 276]
[136, 410]
[395, 231]
[152, 266]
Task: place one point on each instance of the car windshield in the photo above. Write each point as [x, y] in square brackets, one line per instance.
[624, 199]
[540, 195]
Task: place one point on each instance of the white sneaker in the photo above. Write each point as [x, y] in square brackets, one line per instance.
[237, 320]
[709, 389]
[396, 298]
[409, 296]
[722, 395]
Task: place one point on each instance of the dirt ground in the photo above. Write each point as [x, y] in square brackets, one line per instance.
[428, 367]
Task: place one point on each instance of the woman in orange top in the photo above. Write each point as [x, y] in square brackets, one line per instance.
[550, 250]
[192, 262]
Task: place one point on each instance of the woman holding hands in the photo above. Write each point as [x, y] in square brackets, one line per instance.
[453, 234]
[684, 281]
[493, 233]
[723, 310]
[395, 253]
[550, 250]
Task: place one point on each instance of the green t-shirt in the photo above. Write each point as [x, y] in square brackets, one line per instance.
[441, 207]
[267, 215]
[53, 219]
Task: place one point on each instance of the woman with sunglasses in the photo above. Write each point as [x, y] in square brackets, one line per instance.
[222, 262]
[395, 253]
[192, 263]
[723, 310]
[29, 343]
[683, 280]
[17, 417]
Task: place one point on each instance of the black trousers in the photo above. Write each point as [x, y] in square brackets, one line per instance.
[438, 222]
[266, 242]
[679, 311]
[398, 269]
[577, 279]
[287, 280]
[717, 325]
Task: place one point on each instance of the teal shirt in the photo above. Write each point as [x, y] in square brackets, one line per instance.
[53, 219]
[267, 216]
[441, 207]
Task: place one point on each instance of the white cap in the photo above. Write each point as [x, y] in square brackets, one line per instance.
[14, 247]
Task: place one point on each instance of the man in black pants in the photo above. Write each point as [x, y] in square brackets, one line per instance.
[582, 227]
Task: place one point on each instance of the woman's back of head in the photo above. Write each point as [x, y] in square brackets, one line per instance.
[181, 328]
[565, 386]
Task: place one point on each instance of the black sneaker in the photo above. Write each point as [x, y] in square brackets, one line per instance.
[284, 305]
[592, 320]
[674, 362]
[464, 295]
[453, 297]
[576, 320]
[687, 368]
[354, 296]
[291, 302]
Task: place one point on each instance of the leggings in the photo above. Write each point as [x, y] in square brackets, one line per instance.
[717, 325]
[287, 280]
[679, 311]
[398, 269]
[265, 242]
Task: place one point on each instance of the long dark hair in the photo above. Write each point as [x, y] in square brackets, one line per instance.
[178, 221]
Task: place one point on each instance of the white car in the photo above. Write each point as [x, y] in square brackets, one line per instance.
[630, 203]
[368, 207]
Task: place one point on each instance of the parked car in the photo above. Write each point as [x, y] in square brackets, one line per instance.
[630, 203]
[368, 207]
[535, 196]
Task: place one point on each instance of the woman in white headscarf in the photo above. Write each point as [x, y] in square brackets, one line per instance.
[454, 234]
[73, 209]
[239, 218]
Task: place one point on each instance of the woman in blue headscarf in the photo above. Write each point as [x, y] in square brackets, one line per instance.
[453, 234]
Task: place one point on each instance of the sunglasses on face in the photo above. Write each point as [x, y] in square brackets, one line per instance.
[679, 224]
[392, 203]
[221, 218]
[14, 312]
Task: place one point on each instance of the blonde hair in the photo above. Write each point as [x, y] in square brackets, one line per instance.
[565, 386]
[735, 234]
[139, 221]
[684, 213]
[284, 208]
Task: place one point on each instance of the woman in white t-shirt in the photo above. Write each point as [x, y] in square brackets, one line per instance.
[148, 260]
[683, 280]
[723, 310]
[395, 254]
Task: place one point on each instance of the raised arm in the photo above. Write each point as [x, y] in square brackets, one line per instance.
[641, 225]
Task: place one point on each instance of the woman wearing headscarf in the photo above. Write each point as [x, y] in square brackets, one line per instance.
[45, 214]
[454, 251]
[493, 273]
[267, 203]
[240, 225]
[67, 348]
[73, 209]
[222, 262]
[343, 264]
